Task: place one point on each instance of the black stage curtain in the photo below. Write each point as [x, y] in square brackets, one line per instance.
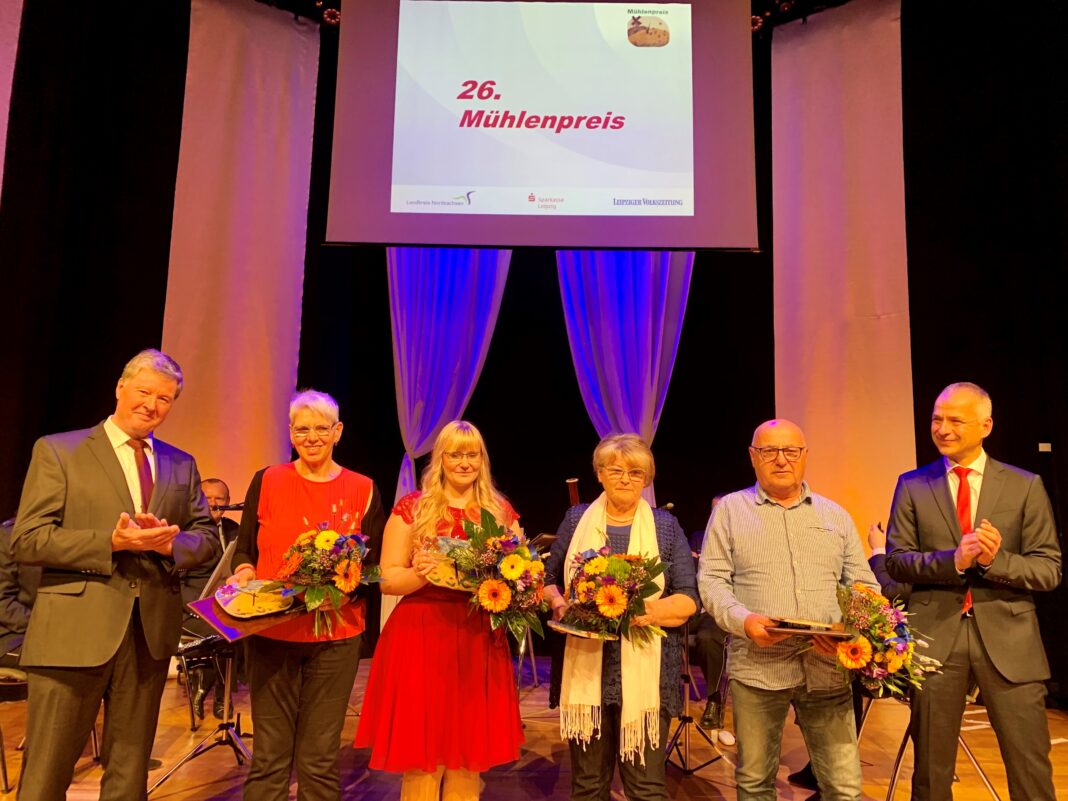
[85, 218]
[986, 177]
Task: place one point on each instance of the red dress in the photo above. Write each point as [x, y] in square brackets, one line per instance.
[441, 690]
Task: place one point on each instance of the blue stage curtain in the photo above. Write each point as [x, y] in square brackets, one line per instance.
[624, 312]
[443, 304]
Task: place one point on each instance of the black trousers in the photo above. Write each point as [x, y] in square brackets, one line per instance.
[592, 766]
[63, 706]
[300, 693]
[710, 644]
[1017, 712]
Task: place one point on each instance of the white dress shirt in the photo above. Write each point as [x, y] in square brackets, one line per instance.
[120, 441]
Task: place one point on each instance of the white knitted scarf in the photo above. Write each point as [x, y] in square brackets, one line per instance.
[580, 693]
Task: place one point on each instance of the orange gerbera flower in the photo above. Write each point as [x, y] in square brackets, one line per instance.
[347, 575]
[494, 595]
[289, 567]
[854, 654]
[611, 602]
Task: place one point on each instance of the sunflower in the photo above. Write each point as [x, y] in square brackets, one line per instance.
[289, 567]
[611, 602]
[512, 566]
[854, 654]
[347, 575]
[494, 595]
[596, 566]
[325, 540]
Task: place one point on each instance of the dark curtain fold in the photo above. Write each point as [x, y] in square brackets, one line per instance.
[85, 216]
[986, 206]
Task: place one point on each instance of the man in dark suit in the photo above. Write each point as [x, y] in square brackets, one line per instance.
[94, 515]
[975, 538]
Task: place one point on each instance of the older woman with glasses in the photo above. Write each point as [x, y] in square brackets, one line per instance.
[616, 699]
[300, 682]
[440, 704]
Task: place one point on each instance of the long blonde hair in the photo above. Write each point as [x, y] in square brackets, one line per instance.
[433, 507]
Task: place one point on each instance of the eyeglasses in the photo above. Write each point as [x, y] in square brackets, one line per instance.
[463, 456]
[615, 474]
[303, 432]
[770, 454]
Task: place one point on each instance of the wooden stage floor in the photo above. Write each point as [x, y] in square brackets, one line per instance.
[542, 770]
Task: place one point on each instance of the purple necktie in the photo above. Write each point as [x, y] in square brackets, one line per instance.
[144, 471]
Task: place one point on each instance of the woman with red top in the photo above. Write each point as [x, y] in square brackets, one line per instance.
[299, 683]
[440, 701]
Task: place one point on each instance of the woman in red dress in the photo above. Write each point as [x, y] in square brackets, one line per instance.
[300, 682]
[440, 701]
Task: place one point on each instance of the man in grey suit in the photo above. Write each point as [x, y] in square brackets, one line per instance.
[94, 515]
[975, 538]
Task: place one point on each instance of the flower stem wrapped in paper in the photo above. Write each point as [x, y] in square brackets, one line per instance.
[882, 653]
[326, 567]
[504, 574]
[607, 590]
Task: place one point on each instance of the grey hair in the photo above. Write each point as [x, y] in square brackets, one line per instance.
[986, 405]
[316, 401]
[627, 448]
[158, 362]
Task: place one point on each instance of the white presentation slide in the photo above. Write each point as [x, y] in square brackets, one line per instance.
[550, 108]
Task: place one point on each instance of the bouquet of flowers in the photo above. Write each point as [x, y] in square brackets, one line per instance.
[882, 652]
[325, 566]
[504, 574]
[608, 589]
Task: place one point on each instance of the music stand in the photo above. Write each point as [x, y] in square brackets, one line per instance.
[679, 755]
[228, 732]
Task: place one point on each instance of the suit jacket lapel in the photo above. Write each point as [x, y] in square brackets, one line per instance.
[993, 481]
[939, 484]
[164, 476]
[100, 446]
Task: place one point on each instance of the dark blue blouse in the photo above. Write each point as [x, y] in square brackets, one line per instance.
[679, 578]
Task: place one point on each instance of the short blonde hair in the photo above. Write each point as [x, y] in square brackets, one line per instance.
[315, 401]
[158, 362]
[627, 448]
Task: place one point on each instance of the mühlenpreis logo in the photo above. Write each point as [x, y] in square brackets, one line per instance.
[466, 197]
[646, 30]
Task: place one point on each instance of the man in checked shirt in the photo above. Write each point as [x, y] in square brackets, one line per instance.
[777, 550]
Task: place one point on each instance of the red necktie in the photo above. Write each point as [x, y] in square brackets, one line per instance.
[144, 471]
[964, 517]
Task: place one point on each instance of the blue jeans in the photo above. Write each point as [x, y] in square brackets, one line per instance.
[829, 728]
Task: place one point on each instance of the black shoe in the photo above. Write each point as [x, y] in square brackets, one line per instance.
[217, 704]
[804, 778]
[713, 715]
[201, 680]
